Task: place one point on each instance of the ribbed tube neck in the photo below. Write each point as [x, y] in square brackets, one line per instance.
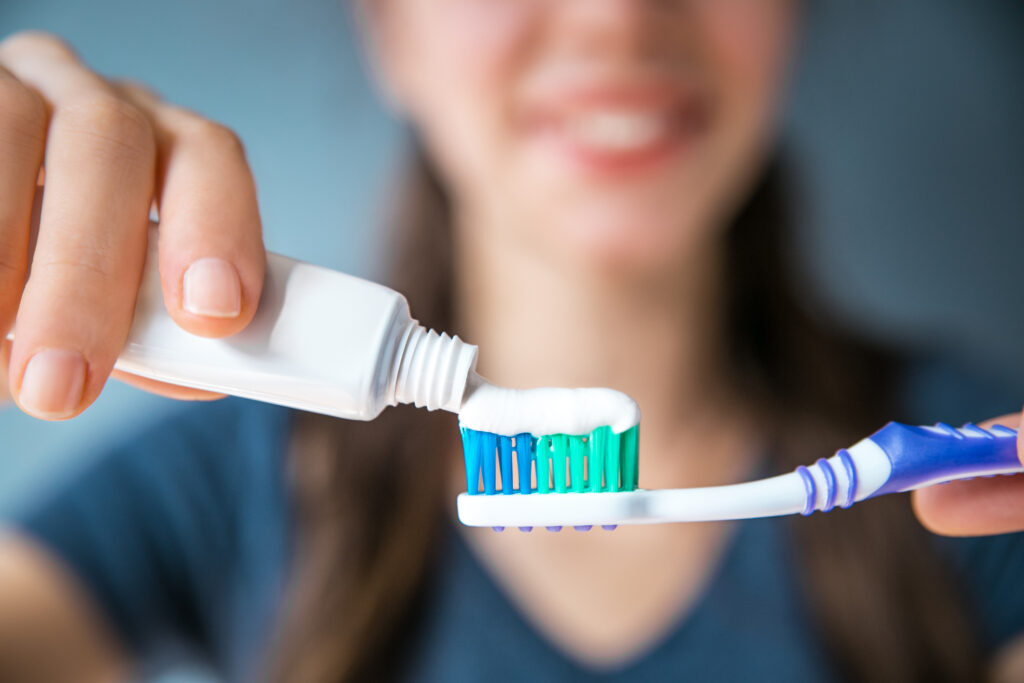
[432, 369]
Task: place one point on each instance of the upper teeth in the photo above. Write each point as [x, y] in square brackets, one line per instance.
[616, 130]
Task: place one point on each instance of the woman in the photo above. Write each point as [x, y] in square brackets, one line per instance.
[596, 202]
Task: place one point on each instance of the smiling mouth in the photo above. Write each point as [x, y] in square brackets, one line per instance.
[616, 131]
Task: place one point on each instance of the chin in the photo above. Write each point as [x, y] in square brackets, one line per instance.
[637, 239]
[624, 229]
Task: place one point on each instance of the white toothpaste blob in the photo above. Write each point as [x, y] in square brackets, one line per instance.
[489, 408]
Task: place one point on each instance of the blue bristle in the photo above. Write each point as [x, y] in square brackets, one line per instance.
[505, 454]
[524, 456]
[553, 528]
[471, 450]
[488, 449]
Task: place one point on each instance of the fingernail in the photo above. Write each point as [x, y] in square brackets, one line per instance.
[52, 385]
[211, 288]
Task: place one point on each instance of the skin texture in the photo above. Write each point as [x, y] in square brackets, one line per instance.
[109, 152]
[576, 267]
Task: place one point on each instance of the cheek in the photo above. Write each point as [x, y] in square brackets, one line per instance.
[482, 31]
[746, 48]
[460, 59]
[752, 36]
[469, 36]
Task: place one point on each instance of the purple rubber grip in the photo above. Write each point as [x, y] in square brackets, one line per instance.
[919, 455]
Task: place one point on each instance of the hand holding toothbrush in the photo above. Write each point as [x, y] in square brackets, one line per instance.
[978, 506]
[110, 151]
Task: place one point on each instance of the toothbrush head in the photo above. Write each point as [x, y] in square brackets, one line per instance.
[601, 461]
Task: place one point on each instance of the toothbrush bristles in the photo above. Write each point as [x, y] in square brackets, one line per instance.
[553, 463]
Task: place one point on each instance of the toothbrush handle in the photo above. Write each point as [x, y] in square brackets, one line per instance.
[929, 455]
[902, 457]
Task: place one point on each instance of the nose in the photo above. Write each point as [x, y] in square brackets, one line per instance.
[610, 27]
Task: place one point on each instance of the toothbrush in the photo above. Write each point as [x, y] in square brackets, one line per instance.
[894, 459]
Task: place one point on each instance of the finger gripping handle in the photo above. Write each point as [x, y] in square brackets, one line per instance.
[927, 455]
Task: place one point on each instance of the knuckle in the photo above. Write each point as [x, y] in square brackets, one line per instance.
[111, 119]
[22, 110]
[39, 43]
[86, 271]
[217, 136]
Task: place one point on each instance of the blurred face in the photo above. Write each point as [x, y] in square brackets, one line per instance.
[615, 131]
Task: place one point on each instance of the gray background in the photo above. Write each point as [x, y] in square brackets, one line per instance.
[905, 124]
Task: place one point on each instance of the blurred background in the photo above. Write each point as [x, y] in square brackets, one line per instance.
[904, 125]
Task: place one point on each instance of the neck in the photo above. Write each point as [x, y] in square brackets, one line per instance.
[655, 336]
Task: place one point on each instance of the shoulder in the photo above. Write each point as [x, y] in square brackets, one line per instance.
[225, 426]
[213, 439]
[180, 525]
[216, 439]
[219, 451]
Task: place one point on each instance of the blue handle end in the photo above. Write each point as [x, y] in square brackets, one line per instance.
[925, 455]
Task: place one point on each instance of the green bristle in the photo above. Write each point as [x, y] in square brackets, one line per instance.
[559, 455]
[577, 462]
[598, 443]
[629, 462]
[543, 472]
[599, 461]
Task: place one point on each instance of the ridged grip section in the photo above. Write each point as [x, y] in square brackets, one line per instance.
[432, 370]
[917, 456]
[825, 480]
[925, 455]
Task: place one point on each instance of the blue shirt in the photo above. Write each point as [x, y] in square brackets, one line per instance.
[182, 535]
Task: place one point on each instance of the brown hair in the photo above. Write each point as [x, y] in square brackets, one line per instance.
[369, 498]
